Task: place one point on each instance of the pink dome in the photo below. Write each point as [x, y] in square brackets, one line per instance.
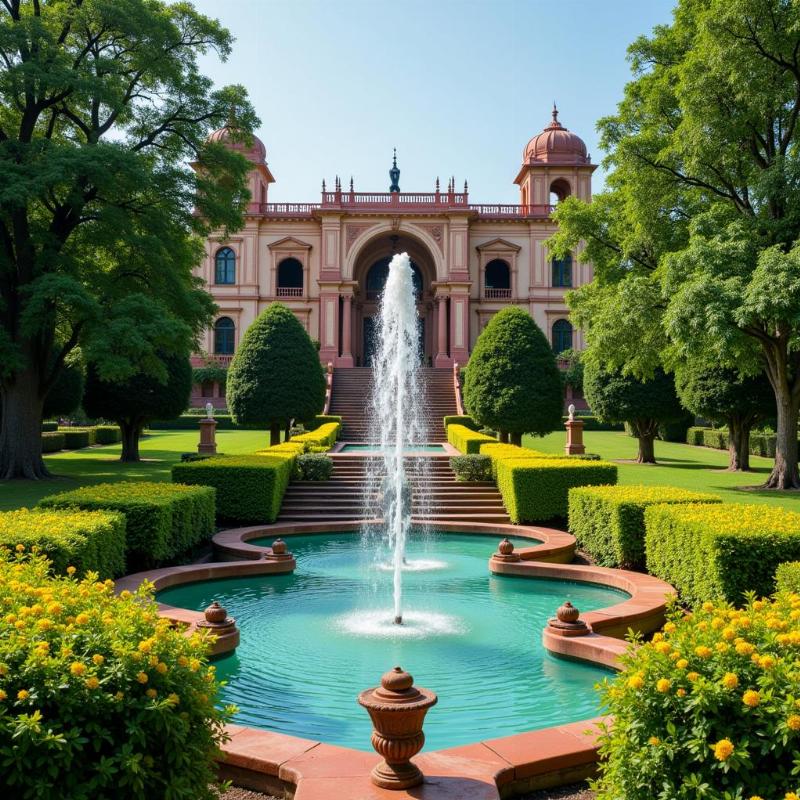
[556, 145]
[255, 152]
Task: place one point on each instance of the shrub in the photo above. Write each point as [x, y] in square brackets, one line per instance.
[466, 440]
[52, 441]
[461, 419]
[314, 466]
[86, 540]
[77, 438]
[710, 552]
[695, 436]
[787, 577]
[323, 436]
[675, 430]
[163, 520]
[321, 419]
[708, 708]
[49, 427]
[535, 489]
[249, 488]
[716, 437]
[473, 467]
[107, 434]
[608, 521]
[107, 700]
[763, 444]
[497, 450]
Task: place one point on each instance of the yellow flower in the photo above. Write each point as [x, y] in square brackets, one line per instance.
[654, 740]
[793, 723]
[76, 668]
[681, 692]
[751, 698]
[723, 749]
[82, 619]
[152, 661]
[722, 647]
[663, 685]
[23, 694]
[745, 648]
[142, 677]
[161, 667]
[182, 661]
[702, 651]
[119, 696]
[92, 682]
[728, 634]
[657, 637]
[663, 647]
[755, 797]
[3, 695]
[174, 699]
[145, 646]
[70, 570]
[670, 627]
[767, 662]
[708, 606]
[692, 676]
[151, 693]
[20, 548]
[682, 663]
[194, 664]
[791, 796]
[729, 680]
[98, 659]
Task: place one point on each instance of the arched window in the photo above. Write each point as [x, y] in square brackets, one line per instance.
[379, 272]
[562, 336]
[224, 336]
[290, 278]
[559, 190]
[497, 277]
[562, 271]
[225, 266]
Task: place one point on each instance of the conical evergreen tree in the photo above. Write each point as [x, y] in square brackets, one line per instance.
[513, 384]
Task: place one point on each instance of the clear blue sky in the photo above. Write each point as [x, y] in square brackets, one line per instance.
[458, 86]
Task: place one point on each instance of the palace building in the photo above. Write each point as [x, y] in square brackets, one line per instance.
[328, 261]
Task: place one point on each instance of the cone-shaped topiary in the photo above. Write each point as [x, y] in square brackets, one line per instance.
[513, 384]
[275, 375]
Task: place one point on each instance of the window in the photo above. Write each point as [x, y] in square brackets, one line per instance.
[225, 266]
[559, 190]
[562, 271]
[224, 336]
[207, 389]
[497, 277]
[290, 278]
[562, 336]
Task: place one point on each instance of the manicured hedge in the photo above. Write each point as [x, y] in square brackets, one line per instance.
[164, 520]
[694, 435]
[86, 540]
[787, 577]
[52, 441]
[249, 488]
[536, 489]
[710, 552]
[608, 521]
[77, 438]
[466, 440]
[323, 436]
[321, 419]
[461, 419]
[761, 444]
[48, 427]
[107, 434]
[314, 467]
[498, 450]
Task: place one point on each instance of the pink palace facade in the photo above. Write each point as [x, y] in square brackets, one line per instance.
[327, 261]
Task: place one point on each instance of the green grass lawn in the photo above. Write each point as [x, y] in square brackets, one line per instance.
[159, 451]
[700, 468]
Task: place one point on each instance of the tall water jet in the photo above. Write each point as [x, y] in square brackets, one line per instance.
[397, 408]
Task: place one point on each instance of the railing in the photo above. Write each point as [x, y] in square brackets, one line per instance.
[497, 294]
[512, 211]
[290, 291]
[288, 209]
[221, 360]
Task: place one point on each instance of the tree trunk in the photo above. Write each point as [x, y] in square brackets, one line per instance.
[274, 434]
[739, 444]
[130, 440]
[645, 431]
[502, 436]
[21, 429]
[784, 473]
[516, 438]
[287, 432]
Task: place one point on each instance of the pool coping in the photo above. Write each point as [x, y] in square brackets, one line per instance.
[306, 769]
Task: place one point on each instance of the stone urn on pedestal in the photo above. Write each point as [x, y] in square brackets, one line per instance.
[208, 433]
[574, 445]
[397, 709]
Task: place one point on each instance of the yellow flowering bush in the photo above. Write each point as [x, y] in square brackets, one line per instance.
[787, 576]
[709, 708]
[83, 714]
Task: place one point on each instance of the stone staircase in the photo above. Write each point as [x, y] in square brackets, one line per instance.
[436, 495]
[352, 389]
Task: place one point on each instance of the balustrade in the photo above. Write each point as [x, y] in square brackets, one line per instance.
[497, 294]
[290, 291]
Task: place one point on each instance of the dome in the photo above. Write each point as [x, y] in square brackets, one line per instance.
[255, 151]
[556, 145]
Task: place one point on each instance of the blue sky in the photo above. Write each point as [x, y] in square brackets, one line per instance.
[458, 86]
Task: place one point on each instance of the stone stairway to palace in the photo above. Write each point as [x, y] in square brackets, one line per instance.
[436, 495]
[352, 389]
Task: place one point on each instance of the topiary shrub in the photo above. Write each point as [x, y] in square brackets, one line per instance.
[107, 434]
[85, 540]
[99, 697]
[467, 440]
[710, 552]
[707, 709]
[473, 467]
[608, 521]
[498, 450]
[716, 438]
[536, 489]
[77, 438]
[695, 436]
[461, 419]
[249, 488]
[314, 467]
[323, 436]
[164, 520]
[52, 441]
[787, 577]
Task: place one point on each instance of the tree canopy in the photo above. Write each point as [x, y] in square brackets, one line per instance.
[102, 109]
[275, 375]
[512, 382]
[66, 393]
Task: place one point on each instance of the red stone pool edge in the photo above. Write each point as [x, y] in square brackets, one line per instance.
[305, 769]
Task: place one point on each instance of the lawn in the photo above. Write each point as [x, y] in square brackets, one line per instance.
[700, 468]
[159, 451]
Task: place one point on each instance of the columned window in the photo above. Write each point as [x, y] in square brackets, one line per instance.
[562, 271]
[562, 336]
[290, 278]
[224, 336]
[225, 266]
[497, 277]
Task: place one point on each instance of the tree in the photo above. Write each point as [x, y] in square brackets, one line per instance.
[725, 395]
[644, 405]
[66, 393]
[275, 375]
[512, 383]
[138, 399]
[102, 109]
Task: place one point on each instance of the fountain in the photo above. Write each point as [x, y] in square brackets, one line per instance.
[397, 410]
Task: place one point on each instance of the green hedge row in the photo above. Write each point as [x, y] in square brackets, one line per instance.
[163, 520]
[321, 419]
[249, 488]
[787, 577]
[52, 441]
[86, 540]
[107, 434]
[461, 419]
[467, 440]
[710, 552]
[323, 436]
[608, 521]
[49, 427]
[761, 444]
[77, 438]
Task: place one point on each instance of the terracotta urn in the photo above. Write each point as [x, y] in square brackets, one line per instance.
[567, 621]
[505, 551]
[279, 552]
[215, 613]
[397, 709]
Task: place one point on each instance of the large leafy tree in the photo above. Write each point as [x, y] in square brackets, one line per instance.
[275, 376]
[512, 383]
[66, 393]
[138, 399]
[102, 108]
[695, 242]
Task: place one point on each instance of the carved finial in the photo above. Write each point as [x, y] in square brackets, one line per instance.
[466, 187]
[555, 112]
[351, 183]
[323, 185]
[394, 174]
[437, 183]
[394, 157]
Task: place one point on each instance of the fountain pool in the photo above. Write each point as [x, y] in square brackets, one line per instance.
[312, 640]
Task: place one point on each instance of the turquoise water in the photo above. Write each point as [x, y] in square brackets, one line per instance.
[363, 448]
[311, 641]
